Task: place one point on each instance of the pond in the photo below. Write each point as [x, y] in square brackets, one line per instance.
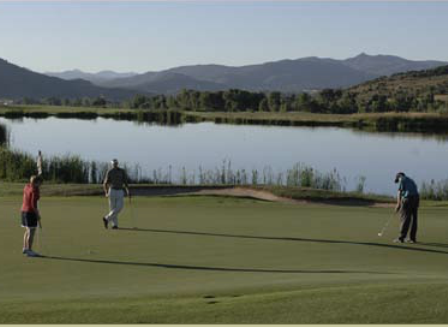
[192, 145]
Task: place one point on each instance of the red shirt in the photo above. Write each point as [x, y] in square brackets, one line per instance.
[30, 197]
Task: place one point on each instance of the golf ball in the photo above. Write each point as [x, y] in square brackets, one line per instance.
[379, 234]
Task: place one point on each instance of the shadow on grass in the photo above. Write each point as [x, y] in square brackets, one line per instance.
[296, 239]
[439, 245]
[218, 269]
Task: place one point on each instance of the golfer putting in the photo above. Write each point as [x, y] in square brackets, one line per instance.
[30, 214]
[115, 184]
[408, 201]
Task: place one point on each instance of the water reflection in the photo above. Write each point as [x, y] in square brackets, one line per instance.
[442, 137]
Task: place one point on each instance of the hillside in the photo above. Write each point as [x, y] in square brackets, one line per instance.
[17, 82]
[415, 83]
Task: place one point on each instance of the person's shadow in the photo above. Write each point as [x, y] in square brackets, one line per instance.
[297, 239]
[439, 245]
[251, 270]
[207, 268]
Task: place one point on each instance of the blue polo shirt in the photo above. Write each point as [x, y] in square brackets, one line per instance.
[407, 187]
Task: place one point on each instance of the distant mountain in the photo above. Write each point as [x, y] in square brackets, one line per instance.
[17, 82]
[311, 73]
[171, 83]
[286, 76]
[166, 82]
[95, 78]
[383, 65]
[130, 82]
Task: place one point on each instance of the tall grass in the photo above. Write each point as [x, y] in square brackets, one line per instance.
[19, 166]
[16, 165]
[3, 135]
[433, 190]
[300, 175]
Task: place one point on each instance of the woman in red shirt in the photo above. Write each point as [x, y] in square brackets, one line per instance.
[30, 214]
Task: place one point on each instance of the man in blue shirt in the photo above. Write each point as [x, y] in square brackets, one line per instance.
[408, 201]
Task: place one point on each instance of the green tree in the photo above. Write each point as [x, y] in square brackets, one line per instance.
[274, 101]
[99, 102]
[264, 105]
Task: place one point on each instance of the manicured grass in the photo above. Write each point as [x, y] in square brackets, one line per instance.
[221, 260]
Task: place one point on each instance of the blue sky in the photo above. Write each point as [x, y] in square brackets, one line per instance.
[145, 36]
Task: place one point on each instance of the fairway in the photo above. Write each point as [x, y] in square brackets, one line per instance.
[221, 260]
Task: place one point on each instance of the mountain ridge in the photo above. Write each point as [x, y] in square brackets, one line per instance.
[286, 75]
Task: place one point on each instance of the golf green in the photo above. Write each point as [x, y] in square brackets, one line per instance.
[221, 260]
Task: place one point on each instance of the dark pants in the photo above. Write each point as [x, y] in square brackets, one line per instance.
[29, 219]
[409, 217]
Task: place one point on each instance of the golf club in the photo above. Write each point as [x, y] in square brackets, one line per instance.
[380, 234]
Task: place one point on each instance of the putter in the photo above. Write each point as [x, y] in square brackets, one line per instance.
[380, 234]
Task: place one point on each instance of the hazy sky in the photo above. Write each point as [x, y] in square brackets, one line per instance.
[144, 36]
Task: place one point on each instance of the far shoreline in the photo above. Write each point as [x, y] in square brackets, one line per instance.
[425, 123]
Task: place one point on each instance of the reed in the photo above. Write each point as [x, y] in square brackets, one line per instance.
[15, 165]
[4, 137]
[19, 166]
[434, 190]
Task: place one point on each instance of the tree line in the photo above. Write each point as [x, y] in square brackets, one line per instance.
[327, 101]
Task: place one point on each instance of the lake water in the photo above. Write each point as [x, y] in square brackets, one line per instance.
[376, 156]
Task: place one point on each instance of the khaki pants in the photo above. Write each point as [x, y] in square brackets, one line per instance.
[409, 217]
[116, 203]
